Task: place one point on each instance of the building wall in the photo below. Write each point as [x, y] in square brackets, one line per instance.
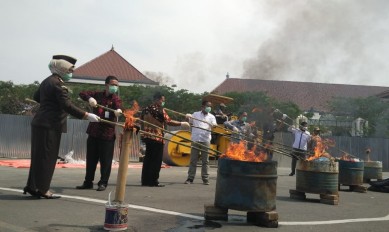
[15, 139]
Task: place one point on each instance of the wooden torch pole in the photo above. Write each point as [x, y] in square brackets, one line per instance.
[127, 141]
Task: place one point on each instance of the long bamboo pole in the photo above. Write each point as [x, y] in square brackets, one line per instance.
[182, 144]
[127, 143]
[279, 150]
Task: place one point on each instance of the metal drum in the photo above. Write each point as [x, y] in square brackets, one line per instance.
[372, 170]
[177, 154]
[350, 172]
[246, 186]
[317, 176]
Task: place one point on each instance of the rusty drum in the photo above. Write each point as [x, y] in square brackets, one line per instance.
[372, 170]
[317, 176]
[351, 172]
[246, 186]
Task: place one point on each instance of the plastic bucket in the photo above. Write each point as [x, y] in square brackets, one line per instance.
[116, 217]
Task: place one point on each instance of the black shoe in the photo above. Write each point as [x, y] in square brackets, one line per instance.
[101, 187]
[30, 191]
[189, 181]
[85, 186]
[291, 174]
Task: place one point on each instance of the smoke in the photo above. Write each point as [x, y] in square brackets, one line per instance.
[324, 41]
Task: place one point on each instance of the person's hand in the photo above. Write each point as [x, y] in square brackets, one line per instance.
[185, 125]
[92, 102]
[118, 112]
[93, 117]
[188, 116]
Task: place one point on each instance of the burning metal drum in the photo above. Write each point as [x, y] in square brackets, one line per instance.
[372, 170]
[317, 176]
[351, 172]
[246, 186]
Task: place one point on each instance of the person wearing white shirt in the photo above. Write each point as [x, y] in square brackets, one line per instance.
[301, 139]
[202, 122]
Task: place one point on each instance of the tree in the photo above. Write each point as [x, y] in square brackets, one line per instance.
[372, 109]
[12, 98]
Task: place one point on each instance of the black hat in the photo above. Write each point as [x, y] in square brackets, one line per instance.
[67, 58]
[303, 123]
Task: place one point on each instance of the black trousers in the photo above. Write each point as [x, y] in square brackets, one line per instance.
[99, 150]
[44, 153]
[297, 153]
[152, 162]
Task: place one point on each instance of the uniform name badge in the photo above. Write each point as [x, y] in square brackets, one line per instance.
[106, 114]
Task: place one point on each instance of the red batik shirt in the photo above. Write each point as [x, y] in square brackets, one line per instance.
[102, 130]
[157, 116]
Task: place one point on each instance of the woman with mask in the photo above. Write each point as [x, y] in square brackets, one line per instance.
[202, 121]
[300, 144]
[49, 123]
[101, 139]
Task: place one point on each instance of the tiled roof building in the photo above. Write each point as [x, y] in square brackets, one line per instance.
[110, 63]
[307, 95]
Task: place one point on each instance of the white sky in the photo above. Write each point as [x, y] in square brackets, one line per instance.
[196, 42]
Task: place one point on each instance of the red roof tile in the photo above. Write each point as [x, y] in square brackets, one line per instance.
[306, 95]
[110, 63]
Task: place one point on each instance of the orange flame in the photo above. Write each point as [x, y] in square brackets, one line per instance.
[320, 149]
[238, 151]
[129, 114]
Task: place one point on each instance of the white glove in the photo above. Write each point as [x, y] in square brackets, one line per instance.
[234, 129]
[185, 125]
[188, 116]
[92, 102]
[93, 117]
[118, 112]
[284, 116]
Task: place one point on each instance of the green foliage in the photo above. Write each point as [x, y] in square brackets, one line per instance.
[12, 98]
[372, 109]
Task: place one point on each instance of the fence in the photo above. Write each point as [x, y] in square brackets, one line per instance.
[15, 139]
[15, 132]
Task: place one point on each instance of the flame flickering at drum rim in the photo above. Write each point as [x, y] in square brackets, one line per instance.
[320, 149]
[238, 151]
[129, 114]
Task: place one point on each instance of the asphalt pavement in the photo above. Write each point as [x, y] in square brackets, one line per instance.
[177, 206]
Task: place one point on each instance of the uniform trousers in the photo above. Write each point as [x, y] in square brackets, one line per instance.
[44, 153]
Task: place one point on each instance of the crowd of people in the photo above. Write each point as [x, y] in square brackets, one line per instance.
[50, 122]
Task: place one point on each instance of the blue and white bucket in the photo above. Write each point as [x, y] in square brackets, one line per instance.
[116, 217]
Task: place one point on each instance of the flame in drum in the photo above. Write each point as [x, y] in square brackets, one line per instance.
[320, 149]
[238, 151]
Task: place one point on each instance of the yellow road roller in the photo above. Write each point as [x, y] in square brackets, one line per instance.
[178, 144]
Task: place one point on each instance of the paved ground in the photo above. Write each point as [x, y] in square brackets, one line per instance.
[176, 207]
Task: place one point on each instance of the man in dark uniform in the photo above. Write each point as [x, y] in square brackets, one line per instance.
[101, 139]
[49, 123]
